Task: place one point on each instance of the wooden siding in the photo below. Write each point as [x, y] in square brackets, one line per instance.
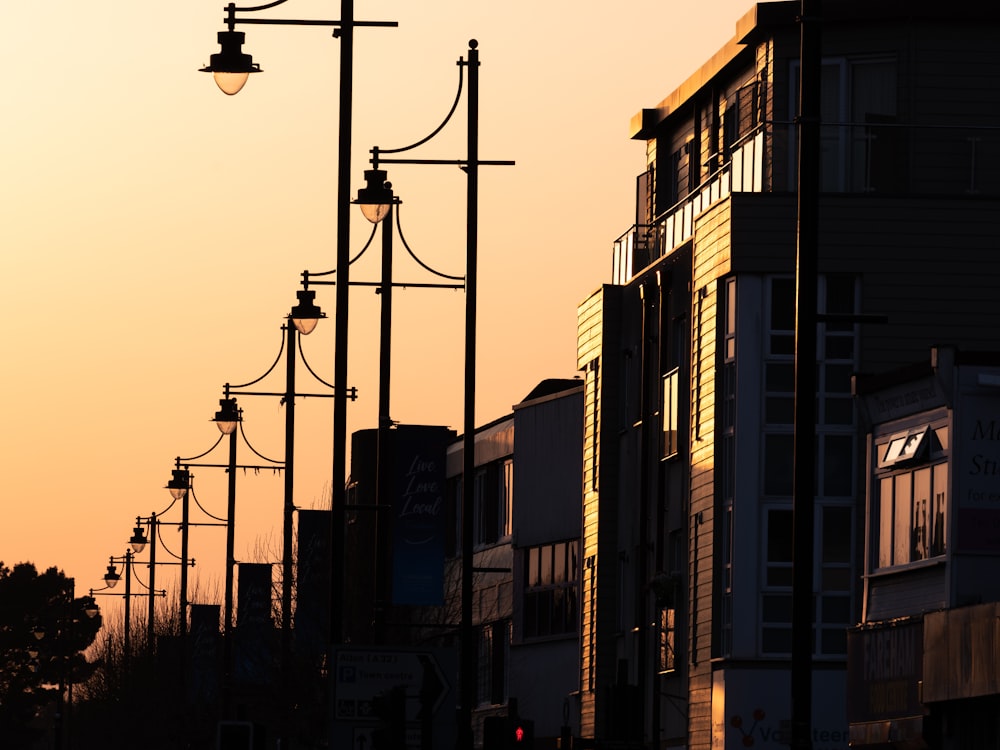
[598, 322]
[906, 593]
[710, 262]
[960, 653]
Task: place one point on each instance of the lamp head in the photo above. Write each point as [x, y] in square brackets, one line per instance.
[138, 540]
[306, 314]
[112, 577]
[231, 67]
[228, 416]
[376, 197]
[90, 607]
[180, 482]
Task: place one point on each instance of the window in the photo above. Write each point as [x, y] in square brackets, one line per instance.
[667, 636]
[551, 577]
[671, 436]
[776, 599]
[912, 514]
[494, 653]
[494, 494]
[834, 616]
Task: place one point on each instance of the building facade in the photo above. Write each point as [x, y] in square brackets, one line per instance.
[526, 565]
[922, 663]
[688, 362]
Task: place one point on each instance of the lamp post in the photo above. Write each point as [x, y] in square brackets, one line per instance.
[111, 579]
[379, 205]
[231, 66]
[138, 542]
[470, 165]
[302, 320]
[229, 420]
[179, 486]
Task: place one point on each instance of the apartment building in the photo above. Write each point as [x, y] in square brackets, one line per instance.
[687, 357]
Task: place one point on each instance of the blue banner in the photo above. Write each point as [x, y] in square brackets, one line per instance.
[253, 624]
[419, 515]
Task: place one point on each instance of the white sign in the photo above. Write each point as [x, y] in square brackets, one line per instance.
[364, 675]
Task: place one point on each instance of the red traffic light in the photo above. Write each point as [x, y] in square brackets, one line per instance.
[518, 733]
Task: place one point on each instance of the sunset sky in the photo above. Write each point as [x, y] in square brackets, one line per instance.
[153, 232]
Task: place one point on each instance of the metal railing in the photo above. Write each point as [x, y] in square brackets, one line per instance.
[872, 158]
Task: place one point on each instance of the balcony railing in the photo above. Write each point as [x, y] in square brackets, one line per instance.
[875, 158]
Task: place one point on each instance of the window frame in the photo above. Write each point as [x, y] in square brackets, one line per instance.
[559, 590]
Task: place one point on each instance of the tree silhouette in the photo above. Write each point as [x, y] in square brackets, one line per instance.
[44, 630]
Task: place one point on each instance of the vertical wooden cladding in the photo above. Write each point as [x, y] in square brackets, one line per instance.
[710, 262]
[597, 319]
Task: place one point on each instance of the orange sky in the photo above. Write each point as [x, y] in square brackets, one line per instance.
[153, 232]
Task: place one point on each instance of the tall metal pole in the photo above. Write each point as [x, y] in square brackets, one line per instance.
[185, 534]
[128, 609]
[468, 636]
[383, 469]
[289, 515]
[150, 630]
[227, 627]
[804, 461]
[339, 490]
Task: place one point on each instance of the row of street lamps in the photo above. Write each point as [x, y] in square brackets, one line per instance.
[231, 68]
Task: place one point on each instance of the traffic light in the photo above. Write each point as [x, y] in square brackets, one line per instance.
[522, 734]
[508, 733]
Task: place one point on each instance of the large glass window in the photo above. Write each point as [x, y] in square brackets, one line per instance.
[836, 470]
[551, 585]
[912, 515]
[834, 616]
[494, 495]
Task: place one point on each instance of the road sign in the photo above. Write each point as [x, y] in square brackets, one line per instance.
[364, 674]
[365, 677]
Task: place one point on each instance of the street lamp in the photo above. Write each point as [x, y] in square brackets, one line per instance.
[376, 197]
[111, 579]
[228, 419]
[228, 416]
[344, 31]
[304, 316]
[380, 205]
[470, 165]
[138, 542]
[231, 67]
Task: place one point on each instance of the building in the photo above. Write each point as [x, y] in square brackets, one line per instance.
[526, 555]
[526, 566]
[922, 664]
[688, 357]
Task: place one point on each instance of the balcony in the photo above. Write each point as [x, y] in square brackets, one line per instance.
[879, 159]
